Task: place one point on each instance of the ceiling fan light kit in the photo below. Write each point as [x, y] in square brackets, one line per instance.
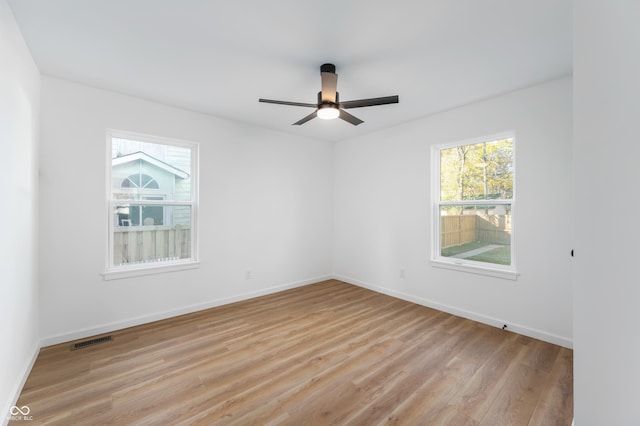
[328, 112]
[329, 107]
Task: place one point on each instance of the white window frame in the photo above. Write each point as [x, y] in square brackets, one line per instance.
[466, 265]
[126, 271]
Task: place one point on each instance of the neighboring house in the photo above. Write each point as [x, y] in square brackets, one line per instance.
[140, 176]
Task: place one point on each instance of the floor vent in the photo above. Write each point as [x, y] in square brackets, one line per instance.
[91, 342]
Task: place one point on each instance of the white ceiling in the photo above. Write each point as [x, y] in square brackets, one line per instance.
[219, 57]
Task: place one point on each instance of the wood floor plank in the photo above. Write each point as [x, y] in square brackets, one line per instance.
[326, 353]
[517, 399]
[557, 397]
[476, 396]
[429, 404]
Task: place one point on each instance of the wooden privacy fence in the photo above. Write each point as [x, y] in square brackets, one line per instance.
[457, 230]
[136, 244]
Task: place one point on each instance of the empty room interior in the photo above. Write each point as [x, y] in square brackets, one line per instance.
[356, 212]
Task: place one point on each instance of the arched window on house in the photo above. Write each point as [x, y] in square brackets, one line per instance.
[145, 188]
[139, 181]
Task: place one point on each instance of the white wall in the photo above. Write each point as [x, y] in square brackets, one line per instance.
[265, 205]
[19, 105]
[607, 187]
[382, 217]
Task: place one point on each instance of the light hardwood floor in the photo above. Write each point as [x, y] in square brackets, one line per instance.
[328, 353]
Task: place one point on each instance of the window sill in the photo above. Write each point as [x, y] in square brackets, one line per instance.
[137, 271]
[473, 269]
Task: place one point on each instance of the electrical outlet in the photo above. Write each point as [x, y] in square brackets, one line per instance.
[248, 274]
[401, 272]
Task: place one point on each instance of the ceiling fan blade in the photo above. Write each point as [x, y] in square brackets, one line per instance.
[370, 102]
[350, 118]
[271, 101]
[305, 119]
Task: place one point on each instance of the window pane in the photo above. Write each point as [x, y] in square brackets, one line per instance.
[480, 233]
[482, 171]
[151, 233]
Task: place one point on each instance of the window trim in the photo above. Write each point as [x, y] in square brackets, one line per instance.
[465, 265]
[112, 271]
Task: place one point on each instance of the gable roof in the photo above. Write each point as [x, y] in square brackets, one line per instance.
[139, 155]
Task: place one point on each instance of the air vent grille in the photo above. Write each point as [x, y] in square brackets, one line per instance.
[91, 342]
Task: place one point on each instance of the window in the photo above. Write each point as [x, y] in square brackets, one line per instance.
[152, 204]
[473, 199]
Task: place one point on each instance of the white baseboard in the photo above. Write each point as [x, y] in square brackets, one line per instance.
[496, 322]
[119, 325]
[13, 399]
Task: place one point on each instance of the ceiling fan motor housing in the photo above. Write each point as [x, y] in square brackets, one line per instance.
[328, 68]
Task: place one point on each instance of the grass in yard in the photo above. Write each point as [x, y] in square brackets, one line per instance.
[452, 251]
[499, 256]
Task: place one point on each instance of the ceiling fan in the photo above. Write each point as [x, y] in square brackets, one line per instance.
[329, 106]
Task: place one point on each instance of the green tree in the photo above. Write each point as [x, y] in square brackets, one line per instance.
[479, 171]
